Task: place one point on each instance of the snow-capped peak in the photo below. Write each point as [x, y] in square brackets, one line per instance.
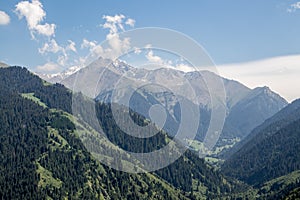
[58, 77]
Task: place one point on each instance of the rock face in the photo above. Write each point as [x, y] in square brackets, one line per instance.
[245, 109]
[251, 111]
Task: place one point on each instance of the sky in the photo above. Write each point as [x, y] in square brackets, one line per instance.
[255, 42]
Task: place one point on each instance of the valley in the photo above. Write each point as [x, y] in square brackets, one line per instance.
[77, 142]
[149, 100]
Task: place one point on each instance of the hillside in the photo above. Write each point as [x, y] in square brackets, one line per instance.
[271, 151]
[43, 155]
[243, 108]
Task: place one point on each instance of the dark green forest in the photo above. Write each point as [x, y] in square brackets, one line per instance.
[269, 153]
[43, 155]
[271, 150]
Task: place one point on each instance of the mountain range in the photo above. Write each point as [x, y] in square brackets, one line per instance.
[47, 152]
[244, 108]
[44, 153]
[270, 150]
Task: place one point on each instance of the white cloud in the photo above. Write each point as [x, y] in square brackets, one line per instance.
[95, 49]
[117, 45]
[114, 46]
[63, 59]
[154, 59]
[184, 68]
[34, 13]
[88, 44]
[71, 46]
[137, 50]
[62, 53]
[48, 67]
[113, 23]
[4, 18]
[51, 46]
[64, 56]
[148, 46]
[281, 74]
[294, 7]
[130, 22]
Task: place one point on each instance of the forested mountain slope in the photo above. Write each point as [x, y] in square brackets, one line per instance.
[42, 155]
[245, 108]
[272, 149]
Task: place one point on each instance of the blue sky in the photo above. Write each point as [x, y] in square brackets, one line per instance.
[230, 31]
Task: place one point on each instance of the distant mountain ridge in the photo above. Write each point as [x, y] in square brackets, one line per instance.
[42, 157]
[284, 117]
[245, 108]
[259, 102]
[3, 65]
[58, 77]
[270, 150]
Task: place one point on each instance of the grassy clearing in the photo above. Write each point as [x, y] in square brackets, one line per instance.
[59, 141]
[31, 97]
[46, 178]
[45, 83]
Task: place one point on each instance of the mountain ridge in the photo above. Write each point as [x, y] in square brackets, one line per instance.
[63, 168]
[270, 150]
[102, 76]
